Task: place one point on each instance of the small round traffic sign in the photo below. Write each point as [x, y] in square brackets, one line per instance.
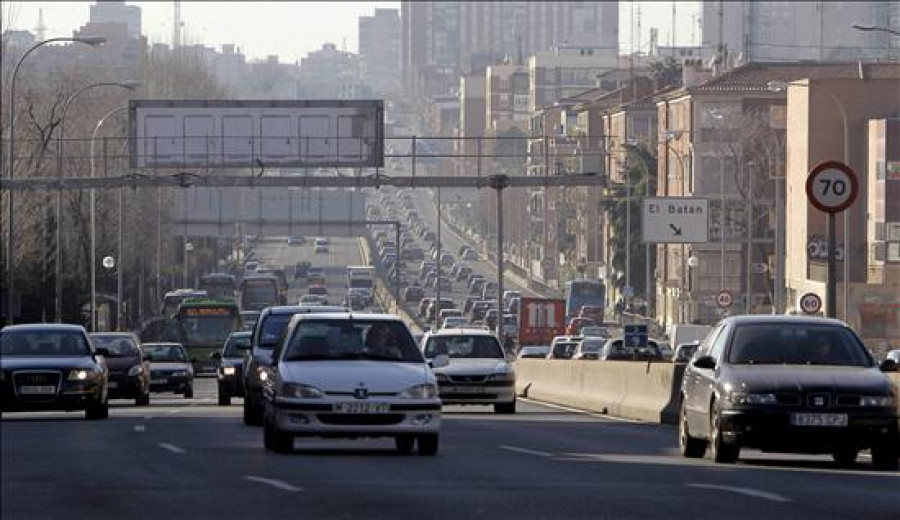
[724, 299]
[832, 187]
[810, 303]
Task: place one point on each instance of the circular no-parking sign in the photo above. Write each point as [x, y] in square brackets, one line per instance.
[810, 303]
[724, 299]
[832, 187]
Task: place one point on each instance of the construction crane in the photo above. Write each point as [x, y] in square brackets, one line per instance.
[176, 25]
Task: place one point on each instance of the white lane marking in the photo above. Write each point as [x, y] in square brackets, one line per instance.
[275, 483]
[525, 451]
[750, 492]
[172, 412]
[140, 428]
[580, 412]
[170, 447]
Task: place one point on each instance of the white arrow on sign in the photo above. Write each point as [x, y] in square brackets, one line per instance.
[675, 220]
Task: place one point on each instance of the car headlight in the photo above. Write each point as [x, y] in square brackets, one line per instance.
[878, 401]
[228, 371]
[300, 391]
[80, 374]
[181, 373]
[426, 391]
[753, 398]
[135, 370]
[505, 376]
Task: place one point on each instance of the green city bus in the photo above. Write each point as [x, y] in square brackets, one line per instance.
[202, 325]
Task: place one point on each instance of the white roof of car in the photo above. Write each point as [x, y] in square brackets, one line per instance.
[456, 331]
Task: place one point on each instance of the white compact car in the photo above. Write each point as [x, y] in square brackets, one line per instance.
[478, 372]
[351, 375]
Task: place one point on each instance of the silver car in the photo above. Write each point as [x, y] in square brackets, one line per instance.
[479, 371]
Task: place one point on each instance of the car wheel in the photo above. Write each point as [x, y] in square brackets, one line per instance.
[886, 455]
[505, 408]
[142, 400]
[845, 456]
[97, 410]
[253, 415]
[722, 452]
[690, 447]
[275, 439]
[405, 443]
[428, 444]
[189, 392]
[224, 399]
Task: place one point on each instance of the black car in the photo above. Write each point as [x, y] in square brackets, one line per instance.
[788, 384]
[170, 369]
[231, 366]
[52, 367]
[129, 372]
[268, 330]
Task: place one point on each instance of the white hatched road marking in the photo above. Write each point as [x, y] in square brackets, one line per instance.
[750, 492]
[525, 451]
[170, 447]
[275, 483]
[140, 428]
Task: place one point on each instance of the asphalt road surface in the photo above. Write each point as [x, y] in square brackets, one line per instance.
[193, 459]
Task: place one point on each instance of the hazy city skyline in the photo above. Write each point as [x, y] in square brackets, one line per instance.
[266, 30]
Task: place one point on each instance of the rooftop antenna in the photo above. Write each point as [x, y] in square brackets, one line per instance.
[41, 30]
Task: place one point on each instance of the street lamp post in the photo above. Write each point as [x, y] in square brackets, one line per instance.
[93, 42]
[779, 86]
[128, 85]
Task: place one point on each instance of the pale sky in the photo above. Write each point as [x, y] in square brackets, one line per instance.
[292, 29]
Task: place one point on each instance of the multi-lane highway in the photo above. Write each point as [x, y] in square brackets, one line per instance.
[194, 459]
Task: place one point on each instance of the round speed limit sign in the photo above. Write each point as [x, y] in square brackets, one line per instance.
[810, 303]
[832, 187]
[724, 299]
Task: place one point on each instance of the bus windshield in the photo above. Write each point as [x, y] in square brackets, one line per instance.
[218, 286]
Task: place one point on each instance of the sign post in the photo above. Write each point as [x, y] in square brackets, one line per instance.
[832, 188]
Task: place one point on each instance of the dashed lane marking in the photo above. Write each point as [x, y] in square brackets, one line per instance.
[275, 483]
[750, 492]
[170, 447]
[525, 451]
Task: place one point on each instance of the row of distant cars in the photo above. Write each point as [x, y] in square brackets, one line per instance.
[62, 367]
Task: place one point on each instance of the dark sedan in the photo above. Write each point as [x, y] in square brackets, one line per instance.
[129, 373]
[52, 367]
[231, 366]
[788, 384]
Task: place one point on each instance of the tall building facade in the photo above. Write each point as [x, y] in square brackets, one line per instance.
[379, 48]
[792, 31]
[116, 11]
[448, 38]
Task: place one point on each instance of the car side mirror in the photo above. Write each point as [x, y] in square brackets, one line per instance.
[705, 362]
[889, 365]
[439, 361]
[101, 352]
[215, 356]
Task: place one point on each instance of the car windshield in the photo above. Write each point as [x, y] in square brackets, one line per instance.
[235, 346]
[564, 350]
[117, 346]
[165, 353]
[464, 346]
[43, 343]
[591, 346]
[376, 340]
[272, 329]
[799, 344]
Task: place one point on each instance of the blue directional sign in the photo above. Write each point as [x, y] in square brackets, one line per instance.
[635, 336]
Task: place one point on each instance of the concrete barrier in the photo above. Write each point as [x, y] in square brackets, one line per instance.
[635, 390]
[383, 295]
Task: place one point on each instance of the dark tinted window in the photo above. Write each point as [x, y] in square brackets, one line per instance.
[317, 340]
[164, 353]
[43, 343]
[272, 328]
[232, 349]
[796, 344]
[462, 346]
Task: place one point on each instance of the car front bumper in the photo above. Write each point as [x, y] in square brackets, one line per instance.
[71, 396]
[490, 392]
[318, 419]
[123, 386]
[173, 384]
[772, 430]
[231, 384]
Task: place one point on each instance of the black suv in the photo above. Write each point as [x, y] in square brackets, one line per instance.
[52, 367]
[269, 328]
[129, 371]
[788, 384]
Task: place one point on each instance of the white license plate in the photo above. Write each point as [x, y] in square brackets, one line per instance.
[361, 408]
[819, 419]
[113, 384]
[158, 381]
[462, 390]
[37, 390]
